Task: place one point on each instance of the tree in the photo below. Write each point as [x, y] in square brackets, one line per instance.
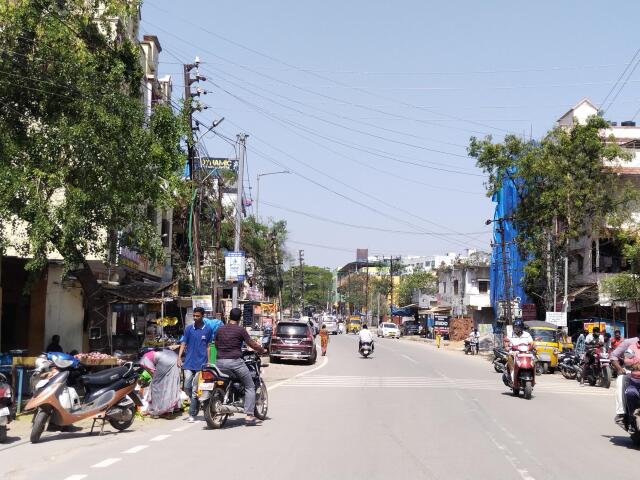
[566, 187]
[625, 286]
[317, 281]
[79, 162]
[423, 281]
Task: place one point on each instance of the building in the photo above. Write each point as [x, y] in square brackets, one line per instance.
[36, 306]
[463, 288]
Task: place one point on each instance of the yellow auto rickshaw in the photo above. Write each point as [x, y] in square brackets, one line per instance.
[548, 343]
[354, 324]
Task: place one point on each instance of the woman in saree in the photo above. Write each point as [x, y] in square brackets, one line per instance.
[324, 339]
[164, 391]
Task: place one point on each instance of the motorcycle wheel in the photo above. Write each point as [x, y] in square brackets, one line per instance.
[605, 382]
[262, 401]
[528, 390]
[40, 421]
[568, 373]
[539, 368]
[635, 438]
[3, 433]
[212, 417]
[497, 368]
[121, 425]
[592, 380]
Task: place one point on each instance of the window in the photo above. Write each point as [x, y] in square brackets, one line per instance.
[444, 287]
[580, 264]
[483, 286]
[166, 226]
[455, 287]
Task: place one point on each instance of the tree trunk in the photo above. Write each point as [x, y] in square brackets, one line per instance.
[96, 308]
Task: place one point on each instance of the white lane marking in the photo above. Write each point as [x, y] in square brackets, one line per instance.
[76, 477]
[159, 438]
[301, 374]
[137, 449]
[183, 428]
[408, 358]
[106, 463]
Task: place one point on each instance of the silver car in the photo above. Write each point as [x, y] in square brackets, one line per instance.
[331, 323]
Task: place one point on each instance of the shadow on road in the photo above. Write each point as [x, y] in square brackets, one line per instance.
[622, 441]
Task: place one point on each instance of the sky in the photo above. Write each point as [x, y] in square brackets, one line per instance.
[370, 105]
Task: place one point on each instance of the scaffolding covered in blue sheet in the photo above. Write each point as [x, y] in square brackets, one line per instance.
[506, 202]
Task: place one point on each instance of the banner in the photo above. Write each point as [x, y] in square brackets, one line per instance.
[203, 301]
[362, 255]
[216, 164]
[234, 266]
[557, 318]
[441, 324]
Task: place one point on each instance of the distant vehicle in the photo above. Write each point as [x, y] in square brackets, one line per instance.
[354, 324]
[389, 330]
[331, 323]
[293, 340]
[410, 327]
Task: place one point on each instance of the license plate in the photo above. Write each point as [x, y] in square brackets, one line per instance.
[4, 412]
[206, 386]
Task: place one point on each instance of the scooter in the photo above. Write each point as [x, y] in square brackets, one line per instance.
[365, 349]
[524, 372]
[7, 408]
[109, 395]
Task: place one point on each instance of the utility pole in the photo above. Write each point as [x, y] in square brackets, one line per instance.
[366, 293]
[219, 213]
[191, 153]
[301, 260]
[239, 207]
[391, 278]
[505, 274]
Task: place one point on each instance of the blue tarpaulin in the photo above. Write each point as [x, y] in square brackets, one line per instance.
[506, 202]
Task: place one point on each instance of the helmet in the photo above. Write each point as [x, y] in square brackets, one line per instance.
[518, 326]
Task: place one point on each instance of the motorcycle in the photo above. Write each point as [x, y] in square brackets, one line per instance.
[7, 408]
[599, 370]
[524, 372]
[569, 364]
[631, 418]
[64, 395]
[365, 349]
[222, 395]
[471, 346]
[499, 359]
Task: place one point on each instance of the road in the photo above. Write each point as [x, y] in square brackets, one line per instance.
[410, 411]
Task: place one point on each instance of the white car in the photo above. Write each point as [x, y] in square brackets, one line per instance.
[331, 323]
[388, 330]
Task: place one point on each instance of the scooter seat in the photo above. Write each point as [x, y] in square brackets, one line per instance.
[105, 377]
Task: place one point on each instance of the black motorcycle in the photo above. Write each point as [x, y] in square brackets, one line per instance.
[598, 369]
[569, 364]
[366, 348]
[223, 395]
[471, 346]
[500, 356]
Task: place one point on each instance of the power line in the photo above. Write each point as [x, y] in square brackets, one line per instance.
[627, 66]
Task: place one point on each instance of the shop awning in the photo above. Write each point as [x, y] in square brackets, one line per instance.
[437, 310]
[141, 292]
[583, 291]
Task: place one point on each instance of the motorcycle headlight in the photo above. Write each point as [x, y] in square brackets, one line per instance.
[61, 362]
[556, 351]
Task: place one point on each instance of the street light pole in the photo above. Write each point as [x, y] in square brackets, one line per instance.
[258, 189]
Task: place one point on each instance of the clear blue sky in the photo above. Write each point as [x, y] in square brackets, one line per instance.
[376, 102]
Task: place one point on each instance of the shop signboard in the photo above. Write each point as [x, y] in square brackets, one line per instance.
[362, 255]
[247, 315]
[557, 318]
[234, 264]
[203, 301]
[441, 324]
[212, 164]
[529, 311]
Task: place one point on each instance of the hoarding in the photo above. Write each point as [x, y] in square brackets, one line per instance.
[216, 164]
[441, 324]
[362, 255]
[234, 266]
[557, 318]
[203, 301]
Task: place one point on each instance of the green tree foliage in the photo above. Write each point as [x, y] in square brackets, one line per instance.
[420, 280]
[566, 187]
[318, 283]
[78, 159]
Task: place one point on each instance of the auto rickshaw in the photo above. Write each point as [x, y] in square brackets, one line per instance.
[354, 323]
[548, 343]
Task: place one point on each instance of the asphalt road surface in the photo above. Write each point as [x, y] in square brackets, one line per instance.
[410, 411]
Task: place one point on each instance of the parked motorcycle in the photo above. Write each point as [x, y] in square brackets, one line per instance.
[7, 407]
[569, 364]
[524, 373]
[500, 359]
[222, 395]
[365, 349]
[599, 370]
[471, 346]
[62, 400]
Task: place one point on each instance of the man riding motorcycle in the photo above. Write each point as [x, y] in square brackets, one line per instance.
[518, 337]
[365, 336]
[592, 341]
[626, 357]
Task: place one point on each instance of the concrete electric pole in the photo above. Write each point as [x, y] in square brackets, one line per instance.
[239, 206]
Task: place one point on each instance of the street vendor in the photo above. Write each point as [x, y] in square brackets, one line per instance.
[164, 392]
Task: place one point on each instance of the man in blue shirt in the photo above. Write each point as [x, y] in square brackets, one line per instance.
[196, 339]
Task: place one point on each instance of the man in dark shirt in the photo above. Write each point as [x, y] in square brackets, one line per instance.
[229, 339]
[54, 346]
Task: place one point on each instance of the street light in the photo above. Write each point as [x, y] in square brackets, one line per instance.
[258, 189]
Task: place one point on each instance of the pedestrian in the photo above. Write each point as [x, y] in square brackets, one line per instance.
[324, 339]
[164, 390]
[54, 346]
[196, 339]
[617, 339]
[580, 343]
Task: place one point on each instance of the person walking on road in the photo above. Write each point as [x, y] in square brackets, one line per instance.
[229, 339]
[196, 339]
[324, 339]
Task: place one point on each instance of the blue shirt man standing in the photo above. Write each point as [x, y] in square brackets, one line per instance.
[195, 340]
